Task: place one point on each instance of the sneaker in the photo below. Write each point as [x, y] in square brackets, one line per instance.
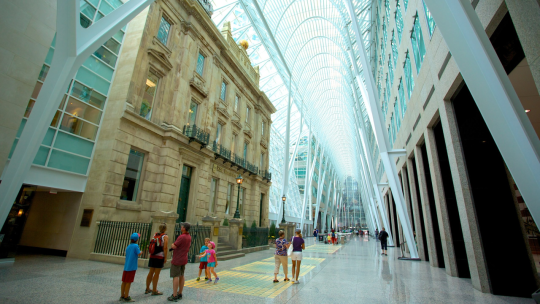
[217, 279]
[172, 298]
[198, 279]
[296, 282]
[128, 299]
[209, 281]
[179, 297]
[121, 299]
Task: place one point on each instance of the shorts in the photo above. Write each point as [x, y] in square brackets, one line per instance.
[128, 276]
[213, 264]
[383, 245]
[296, 256]
[334, 240]
[156, 263]
[203, 265]
[177, 270]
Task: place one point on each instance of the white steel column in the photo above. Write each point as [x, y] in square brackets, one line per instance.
[369, 94]
[305, 183]
[493, 93]
[74, 44]
[319, 190]
[287, 153]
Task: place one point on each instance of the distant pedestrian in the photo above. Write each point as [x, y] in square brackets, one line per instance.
[212, 261]
[130, 267]
[178, 264]
[383, 237]
[157, 259]
[298, 245]
[204, 261]
[376, 233]
[315, 234]
[281, 257]
[334, 238]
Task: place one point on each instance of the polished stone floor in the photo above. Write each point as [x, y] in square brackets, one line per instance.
[353, 273]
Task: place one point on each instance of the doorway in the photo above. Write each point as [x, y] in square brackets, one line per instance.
[183, 198]
[261, 210]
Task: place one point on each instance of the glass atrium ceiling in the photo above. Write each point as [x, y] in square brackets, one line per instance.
[308, 47]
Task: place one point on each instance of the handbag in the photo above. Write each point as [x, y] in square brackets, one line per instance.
[290, 250]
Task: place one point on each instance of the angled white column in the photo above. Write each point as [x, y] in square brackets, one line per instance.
[73, 46]
[369, 94]
[319, 190]
[493, 93]
[306, 193]
[286, 164]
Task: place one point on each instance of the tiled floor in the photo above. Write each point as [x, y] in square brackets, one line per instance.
[353, 273]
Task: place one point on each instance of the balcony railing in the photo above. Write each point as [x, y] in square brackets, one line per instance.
[197, 135]
[221, 152]
[266, 175]
[251, 168]
[238, 161]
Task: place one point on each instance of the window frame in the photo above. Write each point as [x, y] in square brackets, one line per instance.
[199, 54]
[166, 18]
[139, 187]
[154, 99]
[223, 93]
[212, 204]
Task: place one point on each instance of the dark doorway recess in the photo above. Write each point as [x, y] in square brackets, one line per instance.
[396, 225]
[410, 200]
[420, 212]
[451, 205]
[432, 208]
[509, 265]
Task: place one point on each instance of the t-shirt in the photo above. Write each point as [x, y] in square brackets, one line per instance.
[210, 253]
[182, 243]
[280, 247]
[132, 255]
[383, 235]
[297, 243]
[203, 249]
[333, 235]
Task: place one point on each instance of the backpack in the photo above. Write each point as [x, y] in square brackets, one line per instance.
[154, 243]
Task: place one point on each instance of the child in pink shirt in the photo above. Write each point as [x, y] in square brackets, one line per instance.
[212, 261]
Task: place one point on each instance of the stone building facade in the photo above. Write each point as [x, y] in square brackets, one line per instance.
[183, 96]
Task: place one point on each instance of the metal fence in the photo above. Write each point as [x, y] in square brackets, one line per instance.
[256, 237]
[113, 237]
[198, 234]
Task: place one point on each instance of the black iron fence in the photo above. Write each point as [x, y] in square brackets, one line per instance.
[239, 161]
[251, 168]
[256, 237]
[221, 152]
[198, 234]
[265, 175]
[196, 134]
[113, 237]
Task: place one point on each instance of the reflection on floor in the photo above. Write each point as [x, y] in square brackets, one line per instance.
[352, 273]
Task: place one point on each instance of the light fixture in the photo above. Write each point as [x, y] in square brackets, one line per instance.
[527, 111]
[239, 179]
[21, 212]
[150, 83]
[283, 199]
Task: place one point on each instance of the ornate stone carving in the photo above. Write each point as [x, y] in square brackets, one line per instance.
[264, 142]
[159, 59]
[197, 83]
[247, 130]
[237, 123]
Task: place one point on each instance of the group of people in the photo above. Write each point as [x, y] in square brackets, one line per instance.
[281, 256]
[158, 255]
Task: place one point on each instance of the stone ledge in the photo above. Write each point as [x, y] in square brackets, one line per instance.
[128, 205]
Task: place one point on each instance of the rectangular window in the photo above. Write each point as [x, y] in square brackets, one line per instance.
[247, 114]
[245, 151]
[262, 128]
[230, 189]
[236, 102]
[192, 119]
[429, 19]
[401, 96]
[261, 164]
[398, 117]
[391, 73]
[218, 133]
[149, 95]
[233, 144]
[132, 177]
[163, 32]
[417, 41]
[213, 195]
[200, 64]
[399, 21]
[405, 3]
[223, 90]
[409, 81]
[394, 49]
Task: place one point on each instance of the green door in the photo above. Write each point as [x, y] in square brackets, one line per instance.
[184, 194]
[261, 210]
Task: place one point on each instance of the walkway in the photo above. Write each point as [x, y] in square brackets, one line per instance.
[354, 273]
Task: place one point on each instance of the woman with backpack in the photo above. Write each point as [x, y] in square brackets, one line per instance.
[158, 257]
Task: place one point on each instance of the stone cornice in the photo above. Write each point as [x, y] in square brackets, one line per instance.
[198, 85]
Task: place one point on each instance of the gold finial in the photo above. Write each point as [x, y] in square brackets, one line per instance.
[244, 44]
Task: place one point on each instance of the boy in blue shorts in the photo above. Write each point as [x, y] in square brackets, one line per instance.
[130, 267]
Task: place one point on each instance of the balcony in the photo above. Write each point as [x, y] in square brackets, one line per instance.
[267, 176]
[251, 168]
[221, 152]
[238, 161]
[197, 135]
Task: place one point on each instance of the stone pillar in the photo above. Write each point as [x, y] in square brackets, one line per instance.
[235, 233]
[416, 211]
[426, 208]
[462, 188]
[288, 228]
[440, 204]
[213, 222]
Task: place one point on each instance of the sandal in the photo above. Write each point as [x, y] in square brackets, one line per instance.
[157, 293]
[147, 291]
[276, 281]
[287, 280]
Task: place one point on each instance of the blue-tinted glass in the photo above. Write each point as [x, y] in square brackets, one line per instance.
[401, 96]
[49, 57]
[99, 67]
[13, 147]
[106, 56]
[89, 78]
[85, 22]
[73, 144]
[88, 10]
[68, 162]
[399, 21]
[223, 90]
[119, 36]
[41, 156]
[429, 18]
[105, 8]
[163, 32]
[200, 64]
[48, 137]
[417, 41]
[409, 81]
